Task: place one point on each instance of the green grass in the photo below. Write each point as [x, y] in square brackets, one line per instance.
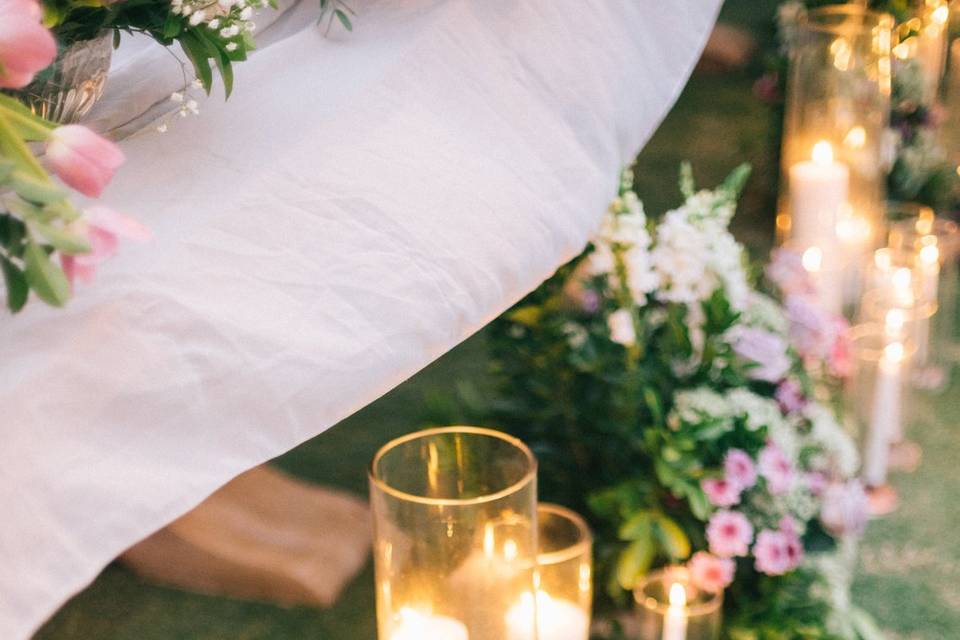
[911, 578]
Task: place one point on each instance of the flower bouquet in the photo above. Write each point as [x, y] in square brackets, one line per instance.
[37, 219]
[692, 415]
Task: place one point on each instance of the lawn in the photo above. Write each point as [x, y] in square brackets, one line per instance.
[910, 568]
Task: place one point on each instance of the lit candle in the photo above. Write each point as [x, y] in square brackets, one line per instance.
[884, 417]
[932, 47]
[675, 622]
[818, 191]
[557, 619]
[416, 625]
[829, 287]
[855, 234]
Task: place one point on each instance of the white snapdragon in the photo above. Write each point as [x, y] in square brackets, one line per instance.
[621, 327]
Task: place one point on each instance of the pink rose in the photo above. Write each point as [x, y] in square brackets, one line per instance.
[844, 510]
[721, 492]
[729, 534]
[776, 552]
[738, 468]
[103, 228]
[812, 328]
[765, 350]
[789, 396]
[83, 159]
[776, 468]
[711, 573]
[786, 271]
[25, 46]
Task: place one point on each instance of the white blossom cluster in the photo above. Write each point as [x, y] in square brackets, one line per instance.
[829, 435]
[230, 19]
[695, 253]
[693, 406]
[763, 312]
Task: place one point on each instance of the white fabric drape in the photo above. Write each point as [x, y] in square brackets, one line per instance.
[361, 204]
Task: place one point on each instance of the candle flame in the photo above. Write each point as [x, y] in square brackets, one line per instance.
[902, 278]
[894, 321]
[822, 153]
[678, 596]
[510, 550]
[925, 221]
[941, 14]
[929, 255]
[856, 138]
[893, 352]
[812, 259]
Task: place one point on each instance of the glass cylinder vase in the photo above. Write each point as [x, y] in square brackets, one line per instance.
[564, 579]
[921, 48]
[670, 607]
[837, 110]
[455, 535]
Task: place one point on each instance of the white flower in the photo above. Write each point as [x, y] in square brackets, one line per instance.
[764, 312]
[836, 442]
[229, 32]
[231, 46]
[199, 16]
[246, 14]
[576, 335]
[214, 24]
[176, 96]
[694, 406]
[621, 327]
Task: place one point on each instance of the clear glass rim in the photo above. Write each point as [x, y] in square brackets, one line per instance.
[527, 478]
[580, 548]
[811, 18]
[711, 604]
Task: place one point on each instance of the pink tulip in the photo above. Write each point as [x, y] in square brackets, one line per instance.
[25, 46]
[103, 228]
[710, 573]
[83, 159]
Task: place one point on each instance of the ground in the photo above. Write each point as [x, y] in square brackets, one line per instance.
[910, 573]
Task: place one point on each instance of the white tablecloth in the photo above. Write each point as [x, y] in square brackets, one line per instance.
[362, 203]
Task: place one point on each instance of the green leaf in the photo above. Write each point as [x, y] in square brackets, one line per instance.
[344, 19]
[637, 527]
[61, 239]
[17, 287]
[44, 277]
[737, 180]
[699, 504]
[671, 537]
[12, 233]
[196, 50]
[634, 562]
[36, 189]
[172, 26]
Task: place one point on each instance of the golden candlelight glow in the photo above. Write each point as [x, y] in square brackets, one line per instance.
[925, 221]
[842, 54]
[812, 259]
[894, 321]
[678, 596]
[902, 278]
[856, 138]
[940, 15]
[822, 153]
[893, 353]
[929, 255]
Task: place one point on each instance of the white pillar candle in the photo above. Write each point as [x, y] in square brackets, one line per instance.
[819, 188]
[675, 620]
[416, 625]
[932, 50]
[884, 415]
[557, 619]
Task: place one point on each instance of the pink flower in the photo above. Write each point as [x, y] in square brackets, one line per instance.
[775, 467]
[729, 534]
[767, 88]
[789, 396]
[816, 482]
[844, 509]
[738, 468]
[83, 159]
[25, 46]
[766, 351]
[840, 359]
[102, 228]
[786, 271]
[776, 552]
[721, 492]
[711, 573]
[812, 328]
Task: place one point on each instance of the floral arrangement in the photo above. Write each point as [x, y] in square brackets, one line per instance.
[37, 219]
[691, 414]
